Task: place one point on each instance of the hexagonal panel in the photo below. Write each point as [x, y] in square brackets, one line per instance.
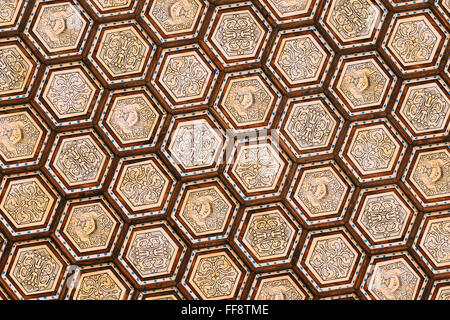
[393, 276]
[141, 186]
[320, 192]
[122, 52]
[427, 174]
[284, 285]
[28, 203]
[174, 19]
[300, 59]
[310, 127]
[383, 217]
[440, 290]
[58, 29]
[69, 94]
[415, 41]
[113, 8]
[432, 242]
[79, 161]
[184, 76]
[35, 269]
[374, 150]
[205, 210]
[257, 167]
[169, 293]
[237, 34]
[151, 253]
[443, 7]
[132, 119]
[11, 17]
[353, 23]
[362, 84]
[195, 143]
[331, 259]
[287, 11]
[214, 274]
[268, 235]
[247, 101]
[423, 108]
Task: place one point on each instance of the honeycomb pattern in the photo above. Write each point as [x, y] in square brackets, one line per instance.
[224, 149]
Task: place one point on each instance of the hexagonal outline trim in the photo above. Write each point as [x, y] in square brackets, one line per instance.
[344, 296]
[438, 286]
[384, 174]
[291, 103]
[251, 257]
[183, 35]
[111, 135]
[231, 255]
[404, 90]
[418, 67]
[61, 236]
[18, 17]
[182, 224]
[51, 246]
[82, 39]
[387, 92]
[361, 231]
[400, 255]
[165, 96]
[305, 16]
[236, 76]
[257, 141]
[445, 13]
[205, 116]
[129, 9]
[129, 213]
[43, 226]
[410, 167]
[166, 292]
[71, 120]
[362, 40]
[356, 268]
[124, 79]
[177, 259]
[106, 165]
[258, 18]
[321, 219]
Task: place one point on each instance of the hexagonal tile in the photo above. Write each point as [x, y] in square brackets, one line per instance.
[169, 293]
[415, 41]
[287, 11]
[11, 17]
[35, 270]
[440, 290]
[151, 253]
[215, 274]
[184, 76]
[362, 83]
[247, 101]
[99, 282]
[28, 203]
[320, 192]
[257, 167]
[141, 186]
[346, 296]
[69, 94]
[89, 228]
[300, 59]
[383, 217]
[132, 119]
[195, 143]
[121, 52]
[113, 8]
[427, 175]
[237, 34]
[310, 127]
[268, 235]
[205, 211]
[373, 150]
[331, 259]
[79, 161]
[353, 23]
[443, 7]
[58, 29]
[284, 285]
[23, 136]
[18, 69]
[393, 276]
[174, 19]
[423, 108]
[432, 242]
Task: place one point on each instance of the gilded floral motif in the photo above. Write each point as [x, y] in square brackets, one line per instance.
[431, 174]
[99, 286]
[175, 16]
[279, 288]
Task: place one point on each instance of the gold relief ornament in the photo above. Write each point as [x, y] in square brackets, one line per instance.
[175, 16]
[100, 285]
[278, 288]
[14, 69]
[432, 173]
[286, 8]
[436, 241]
